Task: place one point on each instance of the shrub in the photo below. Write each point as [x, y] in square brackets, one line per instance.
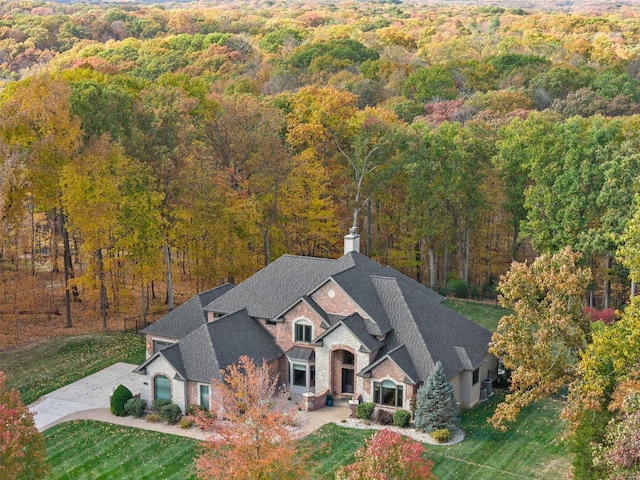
[152, 417]
[441, 436]
[457, 288]
[170, 413]
[186, 422]
[365, 410]
[194, 410]
[135, 407]
[383, 417]
[120, 396]
[401, 418]
[157, 405]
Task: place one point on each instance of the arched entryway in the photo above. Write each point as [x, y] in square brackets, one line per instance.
[343, 369]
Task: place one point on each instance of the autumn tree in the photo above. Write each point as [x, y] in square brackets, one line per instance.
[542, 340]
[22, 451]
[250, 426]
[606, 366]
[388, 456]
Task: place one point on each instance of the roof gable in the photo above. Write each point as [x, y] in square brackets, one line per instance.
[272, 290]
[187, 317]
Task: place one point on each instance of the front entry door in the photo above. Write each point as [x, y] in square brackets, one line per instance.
[347, 380]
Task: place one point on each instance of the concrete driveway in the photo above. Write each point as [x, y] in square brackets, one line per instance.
[89, 393]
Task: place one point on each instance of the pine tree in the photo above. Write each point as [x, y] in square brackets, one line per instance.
[436, 403]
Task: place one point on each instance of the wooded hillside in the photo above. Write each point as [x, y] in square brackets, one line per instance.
[218, 137]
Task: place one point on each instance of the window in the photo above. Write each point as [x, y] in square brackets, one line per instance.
[299, 375]
[161, 388]
[204, 396]
[303, 376]
[476, 375]
[303, 332]
[387, 393]
[347, 357]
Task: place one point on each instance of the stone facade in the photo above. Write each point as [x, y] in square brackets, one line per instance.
[178, 388]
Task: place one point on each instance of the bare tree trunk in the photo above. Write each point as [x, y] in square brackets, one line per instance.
[103, 290]
[446, 267]
[467, 249]
[432, 269]
[607, 283]
[416, 249]
[31, 207]
[167, 258]
[633, 288]
[67, 276]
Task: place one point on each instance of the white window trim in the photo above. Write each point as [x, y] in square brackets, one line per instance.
[199, 394]
[395, 382]
[307, 364]
[301, 321]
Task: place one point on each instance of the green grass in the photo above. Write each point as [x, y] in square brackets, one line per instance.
[530, 449]
[51, 364]
[93, 450]
[483, 314]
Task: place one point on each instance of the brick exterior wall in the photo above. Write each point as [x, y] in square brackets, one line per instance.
[283, 333]
[339, 303]
[387, 370]
[149, 342]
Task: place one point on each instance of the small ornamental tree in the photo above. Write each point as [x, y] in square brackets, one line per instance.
[436, 406]
[22, 452]
[388, 456]
[251, 438]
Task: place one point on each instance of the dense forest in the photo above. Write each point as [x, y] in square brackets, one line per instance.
[175, 147]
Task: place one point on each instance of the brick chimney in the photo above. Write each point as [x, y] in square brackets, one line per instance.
[352, 241]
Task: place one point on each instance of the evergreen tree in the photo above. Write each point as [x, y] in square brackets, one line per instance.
[436, 403]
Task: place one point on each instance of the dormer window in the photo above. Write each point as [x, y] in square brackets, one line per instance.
[303, 331]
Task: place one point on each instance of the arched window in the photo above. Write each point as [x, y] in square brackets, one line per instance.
[387, 393]
[302, 331]
[161, 388]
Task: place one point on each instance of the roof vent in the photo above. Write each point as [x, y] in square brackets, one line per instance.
[352, 241]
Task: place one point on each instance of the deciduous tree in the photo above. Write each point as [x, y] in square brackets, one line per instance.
[542, 341]
[388, 456]
[250, 426]
[22, 452]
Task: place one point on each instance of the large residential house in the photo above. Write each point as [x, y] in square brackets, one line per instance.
[348, 326]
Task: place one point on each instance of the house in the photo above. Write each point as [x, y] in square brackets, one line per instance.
[348, 326]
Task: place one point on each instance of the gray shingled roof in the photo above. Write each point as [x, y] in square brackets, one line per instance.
[356, 325]
[187, 317]
[429, 330]
[401, 357]
[278, 286]
[213, 347]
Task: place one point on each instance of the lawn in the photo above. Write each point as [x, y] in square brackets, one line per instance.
[93, 450]
[530, 449]
[45, 366]
[484, 314]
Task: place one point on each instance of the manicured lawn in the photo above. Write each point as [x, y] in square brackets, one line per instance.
[530, 449]
[483, 314]
[94, 450]
[51, 364]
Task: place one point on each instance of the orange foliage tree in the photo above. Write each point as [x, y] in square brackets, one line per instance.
[251, 430]
[388, 456]
[22, 452]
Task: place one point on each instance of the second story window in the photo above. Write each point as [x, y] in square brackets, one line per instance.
[303, 332]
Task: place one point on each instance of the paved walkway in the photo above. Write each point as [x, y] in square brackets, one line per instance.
[88, 399]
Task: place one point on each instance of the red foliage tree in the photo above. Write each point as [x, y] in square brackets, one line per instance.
[251, 423]
[388, 456]
[22, 452]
